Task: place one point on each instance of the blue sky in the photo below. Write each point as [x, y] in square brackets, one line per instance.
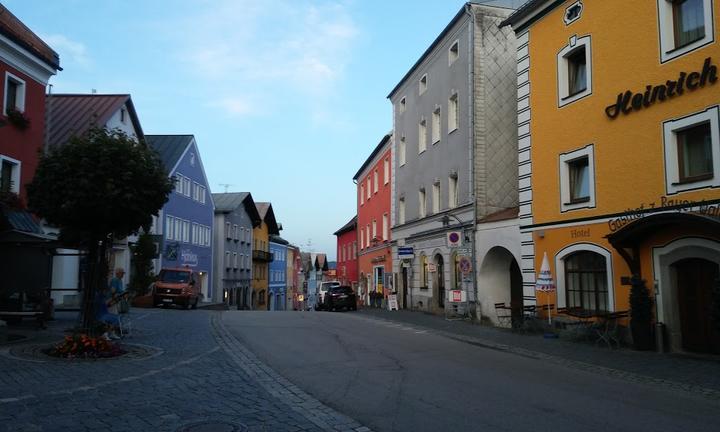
[285, 98]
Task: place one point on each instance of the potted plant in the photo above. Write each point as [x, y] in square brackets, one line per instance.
[17, 119]
[640, 314]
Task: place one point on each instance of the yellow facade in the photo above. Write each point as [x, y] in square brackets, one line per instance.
[631, 155]
[260, 284]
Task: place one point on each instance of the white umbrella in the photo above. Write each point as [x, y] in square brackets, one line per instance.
[544, 282]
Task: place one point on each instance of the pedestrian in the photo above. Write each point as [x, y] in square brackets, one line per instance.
[117, 292]
[110, 321]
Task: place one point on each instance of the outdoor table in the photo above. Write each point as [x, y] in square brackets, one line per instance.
[607, 328]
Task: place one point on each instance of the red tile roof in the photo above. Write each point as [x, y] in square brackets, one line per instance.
[16, 31]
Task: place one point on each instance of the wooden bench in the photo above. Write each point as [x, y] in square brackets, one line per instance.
[16, 316]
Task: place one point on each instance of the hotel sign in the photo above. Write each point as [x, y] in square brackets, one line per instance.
[628, 101]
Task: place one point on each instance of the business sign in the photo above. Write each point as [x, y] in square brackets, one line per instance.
[392, 302]
[454, 238]
[464, 251]
[456, 296]
[406, 252]
[301, 297]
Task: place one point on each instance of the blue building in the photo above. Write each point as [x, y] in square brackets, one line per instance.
[278, 274]
[186, 220]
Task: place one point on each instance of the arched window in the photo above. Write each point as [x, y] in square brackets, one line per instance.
[423, 271]
[586, 281]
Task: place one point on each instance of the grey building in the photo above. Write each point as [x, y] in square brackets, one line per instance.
[454, 154]
[235, 218]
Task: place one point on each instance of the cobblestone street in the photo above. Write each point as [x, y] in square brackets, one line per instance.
[187, 373]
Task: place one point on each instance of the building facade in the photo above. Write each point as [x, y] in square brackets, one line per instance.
[278, 274]
[620, 164]
[374, 180]
[347, 270]
[235, 218]
[261, 256]
[26, 65]
[454, 157]
[186, 220]
[293, 272]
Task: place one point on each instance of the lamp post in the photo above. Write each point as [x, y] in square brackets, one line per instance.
[467, 240]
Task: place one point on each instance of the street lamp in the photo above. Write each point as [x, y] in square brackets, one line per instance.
[467, 240]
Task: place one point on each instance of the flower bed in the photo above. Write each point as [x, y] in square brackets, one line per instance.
[84, 346]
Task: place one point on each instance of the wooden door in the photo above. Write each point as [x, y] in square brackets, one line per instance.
[696, 278]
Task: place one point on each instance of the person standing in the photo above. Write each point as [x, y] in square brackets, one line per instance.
[117, 289]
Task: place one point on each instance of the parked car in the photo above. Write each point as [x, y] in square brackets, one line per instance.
[322, 291]
[177, 286]
[339, 297]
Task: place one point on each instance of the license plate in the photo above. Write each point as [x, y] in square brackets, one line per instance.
[167, 300]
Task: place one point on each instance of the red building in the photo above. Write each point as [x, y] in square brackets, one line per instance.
[347, 267]
[26, 65]
[373, 222]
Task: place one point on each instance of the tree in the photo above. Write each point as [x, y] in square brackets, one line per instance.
[97, 187]
[143, 254]
[640, 314]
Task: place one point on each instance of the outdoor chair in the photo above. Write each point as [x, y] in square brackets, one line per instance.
[609, 329]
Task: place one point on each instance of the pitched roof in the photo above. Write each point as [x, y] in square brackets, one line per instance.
[278, 240]
[378, 149]
[169, 147]
[529, 12]
[16, 31]
[347, 227]
[227, 202]
[71, 115]
[268, 216]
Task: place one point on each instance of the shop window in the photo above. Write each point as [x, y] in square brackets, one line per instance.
[685, 25]
[574, 70]
[586, 285]
[692, 152]
[577, 179]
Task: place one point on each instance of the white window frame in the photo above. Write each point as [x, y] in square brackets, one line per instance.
[362, 194]
[374, 229]
[386, 171]
[453, 113]
[195, 234]
[367, 235]
[453, 52]
[564, 97]
[672, 169]
[565, 159]
[422, 84]
[202, 194]
[368, 188]
[402, 151]
[179, 183]
[196, 191]
[401, 211]
[169, 227]
[208, 237]
[19, 96]
[452, 192]
[375, 181]
[560, 271]
[186, 231]
[422, 136]
[666, 26]
[385, 227]
[436, 127]
[362, 238]
[187, 185]
[14, 174]
[436, 198]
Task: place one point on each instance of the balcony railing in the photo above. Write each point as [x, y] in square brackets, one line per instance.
[261, 255]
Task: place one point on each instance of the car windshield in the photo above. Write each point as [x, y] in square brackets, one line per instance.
[327, 286]
[341, 289]
[174, 276]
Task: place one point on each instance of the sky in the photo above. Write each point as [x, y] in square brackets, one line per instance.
[286, 99]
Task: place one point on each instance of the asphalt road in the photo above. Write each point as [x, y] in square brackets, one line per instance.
[393, 377]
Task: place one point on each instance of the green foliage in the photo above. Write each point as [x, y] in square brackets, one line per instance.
[142, 275]
[640, 302]
[98, 184]
[18, 119]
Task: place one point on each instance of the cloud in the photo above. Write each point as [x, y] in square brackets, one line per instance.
[254, 48]
[69, 50]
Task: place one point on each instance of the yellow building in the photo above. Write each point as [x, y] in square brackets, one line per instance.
[619, 156]
[261, 255]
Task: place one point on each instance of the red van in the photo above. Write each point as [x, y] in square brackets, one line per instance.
[178, 286]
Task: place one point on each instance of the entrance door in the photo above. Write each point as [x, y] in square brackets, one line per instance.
[405, 287]
[696, 278]
[440, 275]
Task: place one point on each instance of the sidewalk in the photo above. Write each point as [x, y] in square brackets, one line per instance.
[695, 374]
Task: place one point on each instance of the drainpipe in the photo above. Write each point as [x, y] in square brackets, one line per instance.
[471, 114]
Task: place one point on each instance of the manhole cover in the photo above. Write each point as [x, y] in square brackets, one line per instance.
[212, 426]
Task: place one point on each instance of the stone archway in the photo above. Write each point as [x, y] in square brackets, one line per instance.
[500, 279]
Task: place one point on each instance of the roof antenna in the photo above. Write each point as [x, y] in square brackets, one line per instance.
[225, 185]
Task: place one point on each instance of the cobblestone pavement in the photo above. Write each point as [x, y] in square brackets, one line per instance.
[696, 375]
[194, 373]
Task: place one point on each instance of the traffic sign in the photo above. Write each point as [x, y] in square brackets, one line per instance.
[465, 265]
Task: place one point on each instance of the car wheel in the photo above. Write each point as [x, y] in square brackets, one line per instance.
[194, 305]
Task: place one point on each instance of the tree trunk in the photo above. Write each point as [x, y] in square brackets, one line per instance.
[94, 278]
